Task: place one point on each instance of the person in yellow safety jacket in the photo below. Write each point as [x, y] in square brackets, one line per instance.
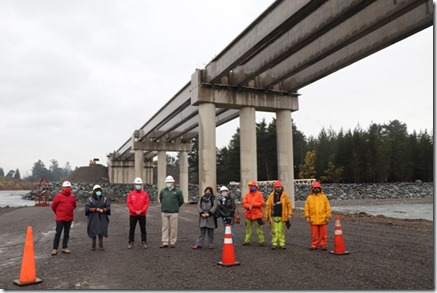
[318, 214]
[278, 213]
[253, 202]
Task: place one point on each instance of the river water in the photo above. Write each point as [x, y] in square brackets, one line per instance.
[401, 209]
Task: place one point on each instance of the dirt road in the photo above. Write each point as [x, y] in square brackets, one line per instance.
[384, 254]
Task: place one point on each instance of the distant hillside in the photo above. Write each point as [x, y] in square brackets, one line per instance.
[14, 184]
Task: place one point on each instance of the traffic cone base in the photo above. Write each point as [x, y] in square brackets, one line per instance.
[340, 253]
[228, 265]
[17, 282]
[228, 256]
[28, 270]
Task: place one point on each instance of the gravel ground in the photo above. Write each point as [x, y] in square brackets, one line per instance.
[385, 254]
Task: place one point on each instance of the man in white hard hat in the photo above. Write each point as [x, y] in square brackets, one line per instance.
[138, 203]
[171, 199]
[63, 206]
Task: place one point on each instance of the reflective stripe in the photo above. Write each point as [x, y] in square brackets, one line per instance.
[338, 232]
[337, 223]
[228, 229]
[228, 240]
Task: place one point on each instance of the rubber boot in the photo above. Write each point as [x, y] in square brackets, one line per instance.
[101, 242]
[93, 245]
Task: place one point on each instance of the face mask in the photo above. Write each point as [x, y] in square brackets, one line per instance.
[99, 193]
[278, 190]
[224, 193]
[138, 187]
[253, 189]
[207, 193]
[168, 185]
[316, 190]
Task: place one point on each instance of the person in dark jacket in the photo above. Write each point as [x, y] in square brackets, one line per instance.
[97, 210]
[227, 209]
[171, 199]
[63, 206]
[137, 203]
[206, 207]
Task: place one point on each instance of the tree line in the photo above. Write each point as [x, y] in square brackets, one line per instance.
[52, 174]
[382, 153]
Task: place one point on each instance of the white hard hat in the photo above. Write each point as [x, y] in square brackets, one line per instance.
[138, 180]
[66, 184]
[223, 188]
[96, 187]
[169, 179]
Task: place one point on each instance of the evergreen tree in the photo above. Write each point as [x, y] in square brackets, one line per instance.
[193, 162]
[10, 174]
[17, 174]
[2, 173]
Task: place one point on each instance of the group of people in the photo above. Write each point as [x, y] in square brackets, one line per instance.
[277, 213]
[98, 210]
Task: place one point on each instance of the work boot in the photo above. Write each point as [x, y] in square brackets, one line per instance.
[130, 245]
[100, 242]
[54, 252]
[93, 245]
[145, 245]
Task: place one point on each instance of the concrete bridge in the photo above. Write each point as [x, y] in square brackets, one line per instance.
[290, 45]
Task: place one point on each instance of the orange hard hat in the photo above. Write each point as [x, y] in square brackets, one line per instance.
[277, 184]
[315, 185]
[252, 183]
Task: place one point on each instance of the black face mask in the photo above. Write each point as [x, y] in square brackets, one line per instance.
[316, 190]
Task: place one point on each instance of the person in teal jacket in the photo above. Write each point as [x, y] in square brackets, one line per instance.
[171, 199]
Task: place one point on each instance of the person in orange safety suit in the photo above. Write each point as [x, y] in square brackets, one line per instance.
[253, 202]
[318, 214]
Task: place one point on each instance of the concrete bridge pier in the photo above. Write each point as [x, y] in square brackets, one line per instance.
[207, 147]
[183, 174]
[162, 170]
[248, 158]
[284, 147]
[139, 164]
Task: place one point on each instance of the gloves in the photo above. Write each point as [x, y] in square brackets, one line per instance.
[288, 224]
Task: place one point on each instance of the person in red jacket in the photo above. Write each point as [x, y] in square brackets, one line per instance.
[253, 202]
[138, 203]
[63, 206]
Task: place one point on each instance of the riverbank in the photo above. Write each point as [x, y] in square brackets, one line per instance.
[335, 191]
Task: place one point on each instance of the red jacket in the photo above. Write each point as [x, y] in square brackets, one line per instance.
[137, 200]
[257, 200]
[63, 205]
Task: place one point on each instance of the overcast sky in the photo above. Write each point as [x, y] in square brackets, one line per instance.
[78, 77]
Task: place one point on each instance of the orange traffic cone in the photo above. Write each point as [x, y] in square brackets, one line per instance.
[339, 247]
[228, 257]
[28, 270]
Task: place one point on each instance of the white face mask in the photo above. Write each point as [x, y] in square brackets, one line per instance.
[224, 193]
[168, 185]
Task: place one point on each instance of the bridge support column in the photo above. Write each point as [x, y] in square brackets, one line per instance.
[248, 160]
[207, 147]
[139, 164]
[284, 140]
[162, 170]
[148, 178]
[183, 174]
